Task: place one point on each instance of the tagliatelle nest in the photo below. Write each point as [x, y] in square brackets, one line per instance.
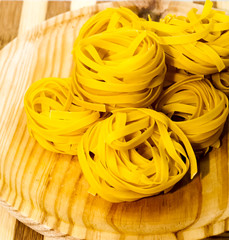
[52, 117]
[118, 66]
[197, 43]
[133, 154]
[198, 109]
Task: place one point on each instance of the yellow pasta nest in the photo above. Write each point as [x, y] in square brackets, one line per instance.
[52, 117]
[133, 154]
[198, 109]
[118, 67]
[197, 43]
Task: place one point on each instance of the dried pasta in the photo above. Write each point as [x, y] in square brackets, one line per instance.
[116, 63]
[133, 154]
[198, 109]
[110, 19]
[197, 43]
[174, 75]
[221, 81]
[52, 117]
[103, 112]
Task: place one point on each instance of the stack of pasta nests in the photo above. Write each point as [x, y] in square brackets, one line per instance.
[142, 101]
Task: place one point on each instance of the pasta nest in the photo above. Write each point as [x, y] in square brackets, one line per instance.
[198, 109]
[53, 118]
[133, 154]
[118, 66]
[197, 43]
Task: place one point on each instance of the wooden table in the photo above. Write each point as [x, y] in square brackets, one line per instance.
[15, 18]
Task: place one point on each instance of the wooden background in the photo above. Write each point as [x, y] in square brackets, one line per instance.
[15, 18]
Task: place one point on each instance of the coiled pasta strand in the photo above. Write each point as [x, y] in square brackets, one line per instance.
[174, 75]
[108, 20]
[133, 154]
[52, 117]
[221, 81]
[198, 109]
[116, 63]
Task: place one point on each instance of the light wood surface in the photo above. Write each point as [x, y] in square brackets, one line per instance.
[47, 191]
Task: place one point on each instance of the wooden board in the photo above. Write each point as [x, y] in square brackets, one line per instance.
[48, 192]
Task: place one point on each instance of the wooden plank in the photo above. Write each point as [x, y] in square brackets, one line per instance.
[76, 4]
[223, 5]
[10, 13]
[33, 13]
[57, 7]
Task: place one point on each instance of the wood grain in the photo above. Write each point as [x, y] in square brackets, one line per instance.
[24, 232]
[10, 13]
[33, 13]
[7, 225]
[79, 4]
[48, 192]
[57, 7]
